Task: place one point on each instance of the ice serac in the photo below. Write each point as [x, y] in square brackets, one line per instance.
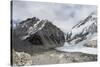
[84, 30]
[40, 32]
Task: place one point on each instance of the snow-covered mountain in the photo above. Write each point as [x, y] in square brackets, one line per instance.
[84, 30]
[81, 34]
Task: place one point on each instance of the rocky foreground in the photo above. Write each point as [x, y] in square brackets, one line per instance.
[50, 57]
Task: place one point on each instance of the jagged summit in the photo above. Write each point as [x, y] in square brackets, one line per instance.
[92, 17]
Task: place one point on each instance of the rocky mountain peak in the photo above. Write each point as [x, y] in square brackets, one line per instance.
[40, 32]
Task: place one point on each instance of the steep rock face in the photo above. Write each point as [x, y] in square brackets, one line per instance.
[40, 32]
[84, 30]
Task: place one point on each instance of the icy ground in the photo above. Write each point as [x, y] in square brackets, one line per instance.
[79, 47]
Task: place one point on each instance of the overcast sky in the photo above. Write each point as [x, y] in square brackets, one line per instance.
[62, 15]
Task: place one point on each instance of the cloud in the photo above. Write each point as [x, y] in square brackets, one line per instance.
[62, 15]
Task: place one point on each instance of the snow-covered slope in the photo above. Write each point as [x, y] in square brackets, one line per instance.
[84, 30]
[80, 34]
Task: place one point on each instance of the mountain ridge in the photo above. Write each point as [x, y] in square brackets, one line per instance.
[86, 27]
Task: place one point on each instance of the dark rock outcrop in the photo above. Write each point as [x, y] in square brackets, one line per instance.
[40, 32]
